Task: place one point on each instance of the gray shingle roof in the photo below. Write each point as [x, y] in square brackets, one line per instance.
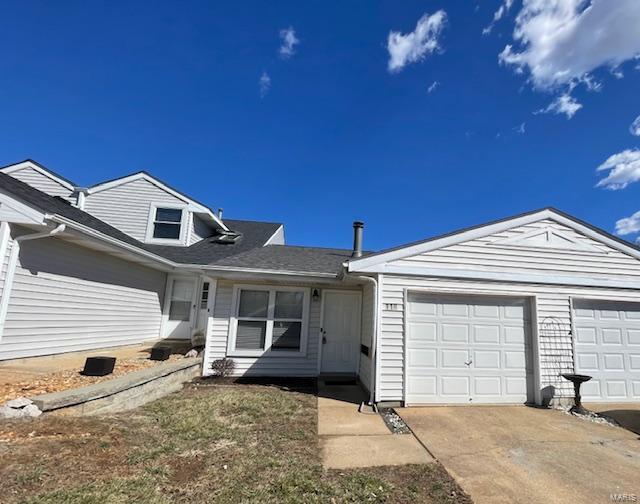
[290, 258]
[247, 252]
[254, 234]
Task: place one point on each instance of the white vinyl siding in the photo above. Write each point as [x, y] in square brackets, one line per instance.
[68, 298]
[553, 315]
[42, 182]
[198, 230]
[368, 310]
[127, 206]
[488, 255]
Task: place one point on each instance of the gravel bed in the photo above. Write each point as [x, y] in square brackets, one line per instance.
[394, 422]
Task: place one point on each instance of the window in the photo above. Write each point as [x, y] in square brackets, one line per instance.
[269, 320]
[167, 223]
[180, 305]
[204, 299]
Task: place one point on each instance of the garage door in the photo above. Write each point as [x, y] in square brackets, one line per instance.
[607, 347]
[467, 350]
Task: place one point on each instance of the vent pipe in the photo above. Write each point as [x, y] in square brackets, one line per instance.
[220, 210]
[357, 238]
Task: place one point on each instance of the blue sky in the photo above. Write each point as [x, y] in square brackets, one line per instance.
[95, 90]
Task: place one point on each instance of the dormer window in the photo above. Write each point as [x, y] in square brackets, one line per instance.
[166, 224]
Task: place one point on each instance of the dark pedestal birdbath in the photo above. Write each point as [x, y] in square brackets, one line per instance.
[577, 380]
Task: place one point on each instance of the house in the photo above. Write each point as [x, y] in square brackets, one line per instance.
[489, 314]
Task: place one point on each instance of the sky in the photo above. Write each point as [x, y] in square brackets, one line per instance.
[417, 117]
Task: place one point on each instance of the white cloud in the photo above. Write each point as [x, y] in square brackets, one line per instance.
[497, 15]
[434, 85]
[628, 225]
[418, 44]
[562, 41]
[634, 129]
[563, 104]
[624, 169]
[264, 84]
[289, 42]
[521, 129]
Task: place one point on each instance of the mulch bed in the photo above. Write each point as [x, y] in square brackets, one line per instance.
[71, 378]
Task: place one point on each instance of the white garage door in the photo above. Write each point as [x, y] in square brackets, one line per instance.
[467, 350]
[607, 347]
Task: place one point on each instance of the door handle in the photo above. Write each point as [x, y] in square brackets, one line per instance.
[468, 363]
[324, 340]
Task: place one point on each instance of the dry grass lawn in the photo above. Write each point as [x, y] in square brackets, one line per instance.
[221, 443]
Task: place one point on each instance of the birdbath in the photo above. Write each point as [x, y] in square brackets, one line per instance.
[577, 380]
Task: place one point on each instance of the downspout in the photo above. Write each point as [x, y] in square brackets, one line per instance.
[374, 339]
[11, 268]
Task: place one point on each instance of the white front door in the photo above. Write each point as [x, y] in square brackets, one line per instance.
[468, 350]
[607, 347]
[180, 307]
[340, 333]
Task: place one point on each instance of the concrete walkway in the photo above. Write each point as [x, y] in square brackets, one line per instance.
[351, 439]
[511, 454]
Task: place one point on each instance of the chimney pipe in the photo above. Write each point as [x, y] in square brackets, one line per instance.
[357, 238]
[220, 213]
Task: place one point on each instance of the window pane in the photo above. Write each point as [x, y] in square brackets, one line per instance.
[250, 335]
[253, 304]
[286, 335]
[180, 306]
[168, 214]
[179, 310]
[289, 305]
[171, 231]
[205, 295]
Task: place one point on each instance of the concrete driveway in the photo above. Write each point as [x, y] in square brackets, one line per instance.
[521, 454]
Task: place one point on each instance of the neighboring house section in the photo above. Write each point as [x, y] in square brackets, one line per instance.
[66, 297]
[150, 211]
[41, 178]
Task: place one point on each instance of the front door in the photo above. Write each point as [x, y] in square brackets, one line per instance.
[340, 332]
[180, 307]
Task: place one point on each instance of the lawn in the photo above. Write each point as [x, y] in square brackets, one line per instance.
[208, 443]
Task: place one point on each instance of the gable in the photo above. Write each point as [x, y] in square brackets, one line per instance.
[545, 246]
[42, 181]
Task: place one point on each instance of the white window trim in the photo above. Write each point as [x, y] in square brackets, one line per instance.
[268, 352]
[151, 223]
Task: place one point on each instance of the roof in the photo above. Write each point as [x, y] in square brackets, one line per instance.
[550, 212]
[41, 168]
[290, 258]
[205, 252]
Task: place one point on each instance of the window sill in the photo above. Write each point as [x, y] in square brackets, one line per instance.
[166, 241]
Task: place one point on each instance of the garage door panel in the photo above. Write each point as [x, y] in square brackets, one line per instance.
[606, 348]
[488, 386]
[586, 335]
[486, 334]
[455, 386]
[425, 358]
[486, 359]
[455, 333]
[421, 332]
[633, 337]
[454, 359]
[514, 335]
[612, 336]
[481, 348]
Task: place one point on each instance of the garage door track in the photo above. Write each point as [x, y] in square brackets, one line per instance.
[522, 454]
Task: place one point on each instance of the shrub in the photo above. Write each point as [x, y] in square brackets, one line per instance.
[223, 367]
